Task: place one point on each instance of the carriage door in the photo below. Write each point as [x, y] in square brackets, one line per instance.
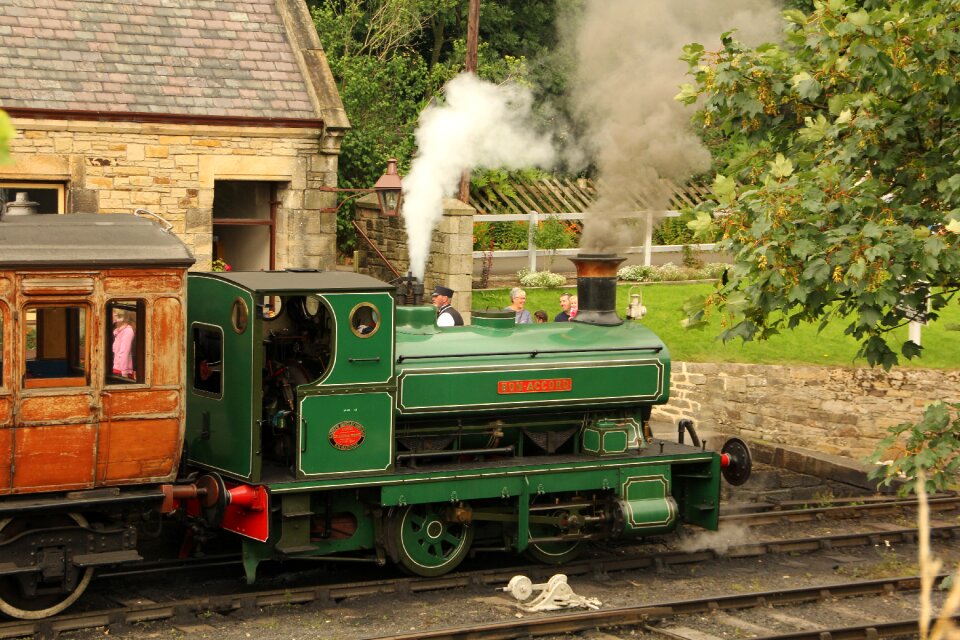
[347, 418]
[55, 429]
[6, 393]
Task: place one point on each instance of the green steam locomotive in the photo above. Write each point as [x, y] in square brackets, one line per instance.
[330, 417]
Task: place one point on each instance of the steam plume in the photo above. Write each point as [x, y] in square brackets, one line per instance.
[479, 125]
[719, 541]
[627, 73]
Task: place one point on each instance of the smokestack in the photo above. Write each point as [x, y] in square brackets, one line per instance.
[597, 288]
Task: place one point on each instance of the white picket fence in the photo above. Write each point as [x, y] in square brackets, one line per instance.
[532, 252]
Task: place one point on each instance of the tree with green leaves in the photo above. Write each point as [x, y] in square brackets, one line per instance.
[838, 170]
[6, 135]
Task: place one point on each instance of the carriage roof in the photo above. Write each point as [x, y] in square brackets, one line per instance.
[88, 239]
[301, 280]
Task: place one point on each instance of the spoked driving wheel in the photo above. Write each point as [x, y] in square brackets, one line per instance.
[424, 542]
[34, 595]
[552, 551]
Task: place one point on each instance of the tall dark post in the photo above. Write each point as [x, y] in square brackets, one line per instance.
[473, 36]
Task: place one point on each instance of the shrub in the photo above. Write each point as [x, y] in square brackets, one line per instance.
[544, 279]
[670, 273]
[636, 273]
[691, 258]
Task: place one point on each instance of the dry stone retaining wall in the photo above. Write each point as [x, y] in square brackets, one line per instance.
[833, 410]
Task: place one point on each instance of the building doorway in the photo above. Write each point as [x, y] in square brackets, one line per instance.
[244, 224]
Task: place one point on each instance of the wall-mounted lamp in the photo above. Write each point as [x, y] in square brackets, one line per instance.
[389, 190]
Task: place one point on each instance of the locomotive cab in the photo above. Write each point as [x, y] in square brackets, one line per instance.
[285, 368]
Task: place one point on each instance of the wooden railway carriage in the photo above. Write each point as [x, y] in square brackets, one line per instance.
[80, 445]
[332, 421]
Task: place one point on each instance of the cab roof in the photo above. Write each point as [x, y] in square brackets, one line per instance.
[88, 239]
[298, 280]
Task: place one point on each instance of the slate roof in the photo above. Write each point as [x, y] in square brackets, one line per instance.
[185, 57]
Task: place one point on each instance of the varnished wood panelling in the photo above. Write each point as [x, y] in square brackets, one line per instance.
[118, 404]
[56, 408]
[6, 407]
[6, 286]
[138, 449]
[6, 459]
[123, 282]
[168, 336]
[52, 285]
[54, 458]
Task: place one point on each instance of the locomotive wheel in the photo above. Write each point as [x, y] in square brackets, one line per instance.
[50, 598]
[424, 543]
[552, 552]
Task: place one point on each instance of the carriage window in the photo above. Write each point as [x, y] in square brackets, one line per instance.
[125, 335]
[55, 347]
[364, 319]
[208, 360]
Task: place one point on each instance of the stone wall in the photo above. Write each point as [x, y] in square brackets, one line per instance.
[833, 410]
[170, 169]
[451, 249]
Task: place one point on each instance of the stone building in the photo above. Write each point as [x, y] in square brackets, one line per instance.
[221, 116]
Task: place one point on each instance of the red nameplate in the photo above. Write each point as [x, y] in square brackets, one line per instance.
[551, 385]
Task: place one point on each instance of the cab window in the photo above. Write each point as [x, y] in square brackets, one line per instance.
[55, 346]
[208, 360]
[125, 338]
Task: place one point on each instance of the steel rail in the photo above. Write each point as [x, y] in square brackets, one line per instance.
[252, 601]
[624, 616]
[847, 510]
[867, 631]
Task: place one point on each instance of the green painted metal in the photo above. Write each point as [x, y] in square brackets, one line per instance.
[424, 541]
[532, 367]
[361, 358]
[220, 430]
[646, 502]
[611, 437]
[365, 417]
[543, 477]
[696, 487]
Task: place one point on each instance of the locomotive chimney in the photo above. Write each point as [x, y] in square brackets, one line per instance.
[597, 288]
[409, 291]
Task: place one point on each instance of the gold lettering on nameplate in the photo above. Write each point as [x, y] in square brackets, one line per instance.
[549, 385]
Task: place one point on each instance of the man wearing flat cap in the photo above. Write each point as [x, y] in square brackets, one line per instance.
[447, 316]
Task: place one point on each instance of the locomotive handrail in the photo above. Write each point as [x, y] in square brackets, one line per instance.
[532, 354]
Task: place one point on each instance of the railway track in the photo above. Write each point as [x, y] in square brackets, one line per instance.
[654, 618]
[118, 618]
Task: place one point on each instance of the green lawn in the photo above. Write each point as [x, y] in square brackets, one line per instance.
[803, 345]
